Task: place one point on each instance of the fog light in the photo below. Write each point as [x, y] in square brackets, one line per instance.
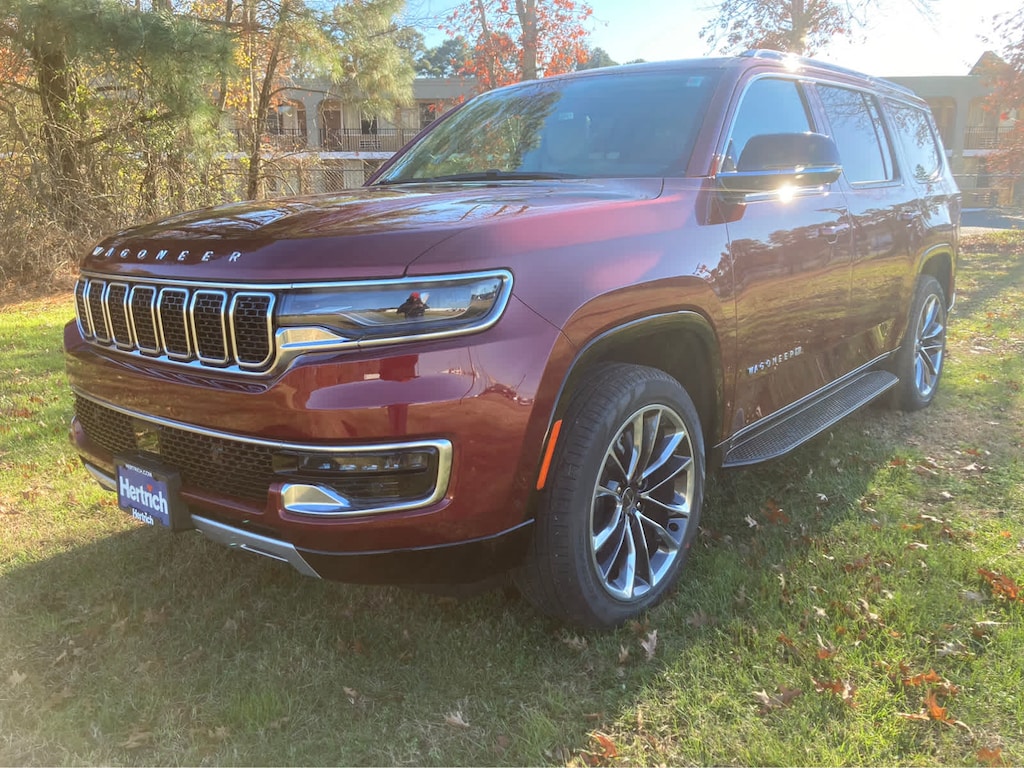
[359, 464]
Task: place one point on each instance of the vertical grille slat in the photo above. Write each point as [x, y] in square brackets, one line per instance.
[82, 308]
[142, 310]
[94, 298]
[172, 308]
[251, 328]
[202, 325]
[209, 326]
[117, 311]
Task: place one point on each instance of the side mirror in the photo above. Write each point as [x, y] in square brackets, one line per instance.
[771, 161]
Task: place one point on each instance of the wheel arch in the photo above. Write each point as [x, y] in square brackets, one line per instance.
[683, 344]
[939, 262]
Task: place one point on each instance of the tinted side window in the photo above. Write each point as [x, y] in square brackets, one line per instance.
[858, 133]
[767, 106]
[914, 129]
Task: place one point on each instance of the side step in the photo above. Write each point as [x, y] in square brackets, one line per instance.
[786, 432]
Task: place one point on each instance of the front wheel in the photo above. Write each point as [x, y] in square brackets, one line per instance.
[622, 501]
[920, 358]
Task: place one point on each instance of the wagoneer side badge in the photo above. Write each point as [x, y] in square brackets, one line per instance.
[774, 361]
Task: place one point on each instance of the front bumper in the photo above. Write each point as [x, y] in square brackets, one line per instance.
[473, 407]
[465, 562]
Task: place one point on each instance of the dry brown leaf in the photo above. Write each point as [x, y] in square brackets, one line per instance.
[990, 756]
[844, 689]
[782, 698]
[623, 655]
[137, 740]
[351, 693]
[456, 720]
[650, 644]
[16, 678]
[575, 642]
[607, 750]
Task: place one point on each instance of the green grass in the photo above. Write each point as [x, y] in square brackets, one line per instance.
[123, 645]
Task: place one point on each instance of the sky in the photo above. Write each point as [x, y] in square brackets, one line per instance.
[896, 41]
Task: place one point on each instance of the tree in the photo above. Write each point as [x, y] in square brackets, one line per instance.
[1007, 79]
[516, 40]
[356, 44]
[101, 74]
[444, 60]
[597, 57]
[796, 26]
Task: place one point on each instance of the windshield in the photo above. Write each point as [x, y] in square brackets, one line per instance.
[623, 124]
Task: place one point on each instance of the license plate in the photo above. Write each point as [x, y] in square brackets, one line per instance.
[149, 493]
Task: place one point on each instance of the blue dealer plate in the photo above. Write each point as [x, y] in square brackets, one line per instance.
[144, 493]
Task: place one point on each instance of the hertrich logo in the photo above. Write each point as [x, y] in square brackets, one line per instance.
[775, 361]
[143, 495]
[166, 255]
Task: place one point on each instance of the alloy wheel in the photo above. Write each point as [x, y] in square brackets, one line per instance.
[641, 503]
[929, 346]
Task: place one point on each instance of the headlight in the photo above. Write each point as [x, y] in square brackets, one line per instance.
[386, 311]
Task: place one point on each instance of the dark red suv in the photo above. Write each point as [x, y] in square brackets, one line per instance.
[524, 343]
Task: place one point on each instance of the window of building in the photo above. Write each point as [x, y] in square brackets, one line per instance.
[428, 113]
[858, 133]
[769, 105]
[944, 111]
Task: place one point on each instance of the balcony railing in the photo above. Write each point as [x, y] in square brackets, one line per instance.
[291, 139]
[354, 140]
[977, 137]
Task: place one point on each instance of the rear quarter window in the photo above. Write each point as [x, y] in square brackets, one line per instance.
[859, 134]
[922, 152]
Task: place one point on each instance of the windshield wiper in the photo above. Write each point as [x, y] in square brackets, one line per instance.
[491, 174]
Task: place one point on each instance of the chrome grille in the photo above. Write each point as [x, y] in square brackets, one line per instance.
[211, 327]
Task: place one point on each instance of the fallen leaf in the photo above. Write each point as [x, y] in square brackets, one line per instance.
[844, 689]
[917, 545]
[825, 651]
[650, 644]
[575, 642]
[16, 678]
[750, 521]
[623, 655]
[220, 733]
[351, 693]
[456, 720]
[1001, 585]
[607, 750]
[931, 676]
[770, 702]
[137, 740]
[990, 756]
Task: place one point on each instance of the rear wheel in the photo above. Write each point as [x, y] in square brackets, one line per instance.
[622, 501]
[920, 359]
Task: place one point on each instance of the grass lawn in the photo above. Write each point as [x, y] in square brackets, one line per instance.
[853, 603]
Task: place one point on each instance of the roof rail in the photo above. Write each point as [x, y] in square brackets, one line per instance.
[766, 53]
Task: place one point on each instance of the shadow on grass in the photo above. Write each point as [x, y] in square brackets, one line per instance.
[177, 637]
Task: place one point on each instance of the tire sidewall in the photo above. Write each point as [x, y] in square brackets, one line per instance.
[576, 490]
[910, 398]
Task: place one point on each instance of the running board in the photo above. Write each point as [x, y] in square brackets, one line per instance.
[781, 435]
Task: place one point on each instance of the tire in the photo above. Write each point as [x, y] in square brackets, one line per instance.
[918, 362]
[615, 522]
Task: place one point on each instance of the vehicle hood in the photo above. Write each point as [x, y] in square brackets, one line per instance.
[371, 232]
